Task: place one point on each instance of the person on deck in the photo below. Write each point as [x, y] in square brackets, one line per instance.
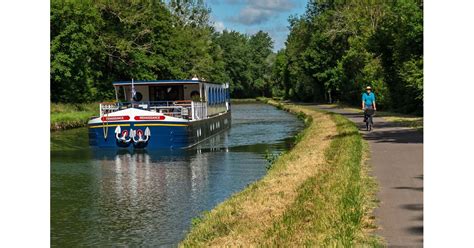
[368, 101]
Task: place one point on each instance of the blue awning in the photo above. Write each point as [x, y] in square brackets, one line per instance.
[155, 82]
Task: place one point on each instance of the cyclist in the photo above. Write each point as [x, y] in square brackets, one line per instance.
[368, 101]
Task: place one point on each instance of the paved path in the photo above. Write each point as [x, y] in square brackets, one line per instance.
[397, 163]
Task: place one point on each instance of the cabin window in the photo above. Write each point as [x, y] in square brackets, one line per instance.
[120, 94]
[166, 93]
[203, 90]
[210, 95]
[138, 96]
[215, 95]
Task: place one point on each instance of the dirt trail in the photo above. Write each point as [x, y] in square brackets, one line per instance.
[397, 162]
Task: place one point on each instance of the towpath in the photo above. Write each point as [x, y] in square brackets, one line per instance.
[397, 163]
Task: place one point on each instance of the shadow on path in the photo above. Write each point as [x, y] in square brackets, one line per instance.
[394, 136]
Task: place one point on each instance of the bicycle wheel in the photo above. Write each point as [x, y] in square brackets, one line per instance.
[371, 123]
[367, 123]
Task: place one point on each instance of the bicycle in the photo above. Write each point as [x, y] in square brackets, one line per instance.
[368, 118]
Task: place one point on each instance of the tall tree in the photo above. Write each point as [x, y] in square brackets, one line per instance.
[336, 48]
[260, 46]
[74, 30]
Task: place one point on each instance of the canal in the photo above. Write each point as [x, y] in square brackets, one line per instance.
[149, 198]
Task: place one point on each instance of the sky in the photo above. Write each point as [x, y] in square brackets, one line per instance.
[250, 16]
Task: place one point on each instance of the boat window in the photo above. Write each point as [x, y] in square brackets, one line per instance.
[213, 94]
[138, 97]
[210, 96]
[120, 94]
[214, 98]
[166, 93]
[203, 90]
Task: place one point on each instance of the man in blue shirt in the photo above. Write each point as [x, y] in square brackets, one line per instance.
[368, 101]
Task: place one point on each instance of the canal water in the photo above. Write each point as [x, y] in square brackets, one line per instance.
[149, 198]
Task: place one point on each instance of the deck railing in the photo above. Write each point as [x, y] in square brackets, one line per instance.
[190, 110]
[199, 110]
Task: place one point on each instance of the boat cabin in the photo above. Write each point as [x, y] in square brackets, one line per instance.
[187, 99]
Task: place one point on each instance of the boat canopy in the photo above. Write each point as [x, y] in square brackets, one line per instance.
[172, 90]
[163, 82]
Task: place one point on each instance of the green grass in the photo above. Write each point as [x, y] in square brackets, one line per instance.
[333, 208]
[330, 207]
[67, 116]
[414, 122]
[242, 100]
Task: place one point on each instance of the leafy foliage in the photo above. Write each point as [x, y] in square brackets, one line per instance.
[332, 52]
[96, 42]
[337, 48]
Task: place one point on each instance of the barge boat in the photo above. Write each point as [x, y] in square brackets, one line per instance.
[161, 114]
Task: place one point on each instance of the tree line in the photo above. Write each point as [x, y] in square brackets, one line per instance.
[337, 48]
[95, 42]
[332, 52]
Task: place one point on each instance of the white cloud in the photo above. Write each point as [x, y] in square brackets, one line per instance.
[219, 26]
[260, 11]
[278, 5]
[251, 16]
[278, 33]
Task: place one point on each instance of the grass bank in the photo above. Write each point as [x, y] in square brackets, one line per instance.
[319, 193]
[242, 100]
[67, 116]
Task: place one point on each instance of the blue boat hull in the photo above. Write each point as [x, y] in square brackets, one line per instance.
[162, 134]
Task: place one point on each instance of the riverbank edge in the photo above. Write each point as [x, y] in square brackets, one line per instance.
[68, 124]
[64, 116]
[209, 227]
[243, 100]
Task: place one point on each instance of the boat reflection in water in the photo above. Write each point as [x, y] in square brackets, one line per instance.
[152, 196]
